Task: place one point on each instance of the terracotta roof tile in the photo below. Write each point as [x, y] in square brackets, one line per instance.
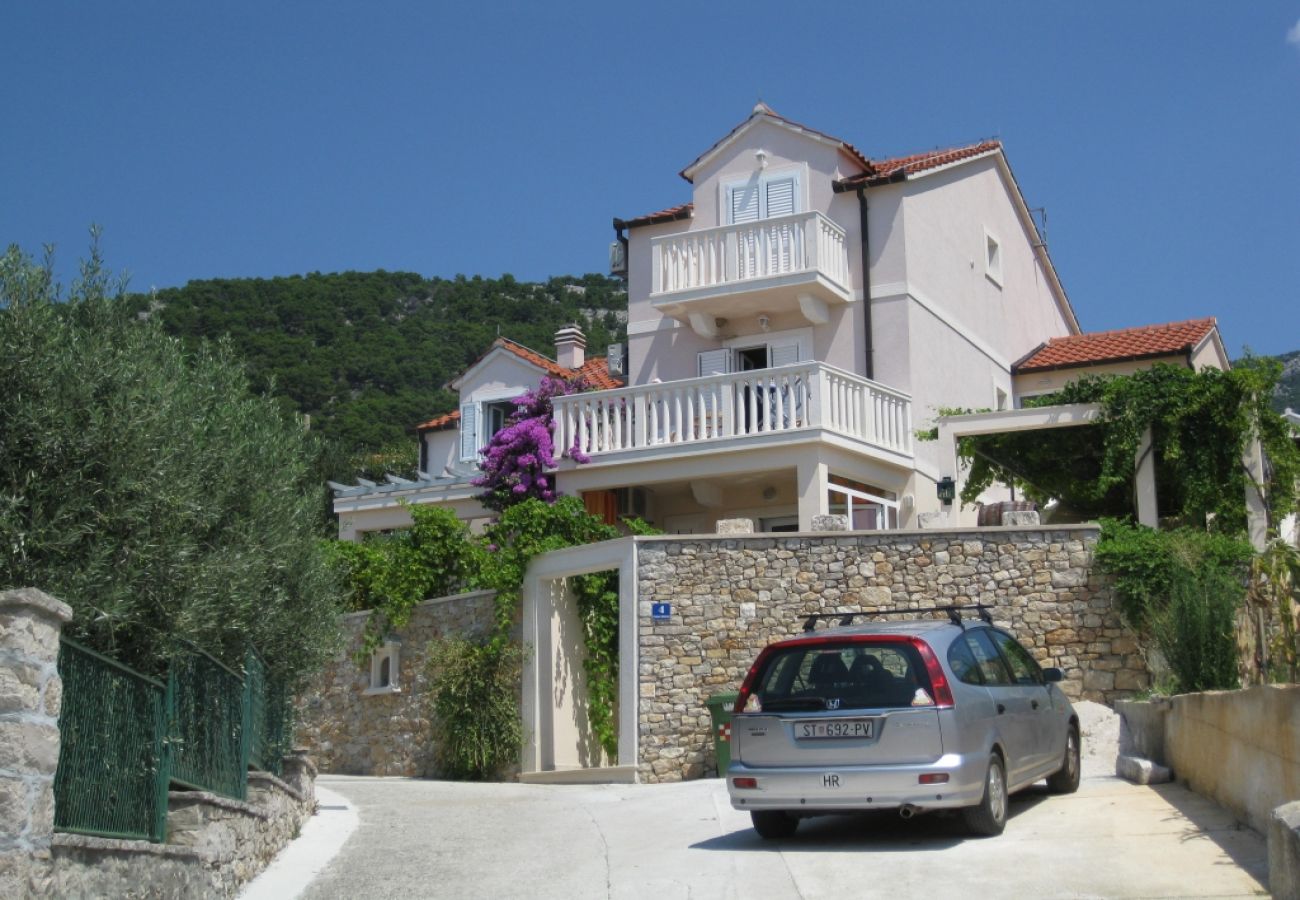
[762, 109]
[879, 171]
[1090, 348]
[446, 420]
[914, 163]
[595, 370]
[671, 214]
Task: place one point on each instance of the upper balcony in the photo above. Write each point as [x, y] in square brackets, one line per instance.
[798, 263]
[734, 412]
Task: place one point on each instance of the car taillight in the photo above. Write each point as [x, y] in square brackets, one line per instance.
[746, 695]
[938, 681]
[933, 778]
[745, 783]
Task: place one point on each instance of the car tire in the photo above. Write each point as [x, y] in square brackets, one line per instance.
[989, 818]
[1066, 779]
[772, 824]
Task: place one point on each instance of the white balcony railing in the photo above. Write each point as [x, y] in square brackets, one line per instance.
[739, 405]
[710, 257]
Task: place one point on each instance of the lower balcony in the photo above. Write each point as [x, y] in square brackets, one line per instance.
[733, 411]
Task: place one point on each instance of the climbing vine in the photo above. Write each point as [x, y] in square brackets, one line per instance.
[1201, 423]
[390, 574]
[438, 556]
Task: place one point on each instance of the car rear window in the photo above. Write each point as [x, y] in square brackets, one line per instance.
[849, 675]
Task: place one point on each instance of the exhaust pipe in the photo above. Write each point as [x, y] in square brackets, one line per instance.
[907, 810]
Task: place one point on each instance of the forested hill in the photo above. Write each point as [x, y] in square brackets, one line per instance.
[1288, 387]
[366, 354]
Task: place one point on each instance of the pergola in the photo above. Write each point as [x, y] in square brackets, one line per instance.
[1074, 415]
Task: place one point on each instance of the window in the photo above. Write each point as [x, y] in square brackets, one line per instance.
[1023, 668]
[962, 663]
[479, 421]
[762, 197]
[992, 258]
[494, 418]
[384, 668]
[851, 675]
[992, 669]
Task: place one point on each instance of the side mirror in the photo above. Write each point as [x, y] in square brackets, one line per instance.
[1053, 674]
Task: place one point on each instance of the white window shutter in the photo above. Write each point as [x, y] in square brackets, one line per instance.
[715, 362]
[469, 431]
[780, 197]
[744, 203]
[783, 354]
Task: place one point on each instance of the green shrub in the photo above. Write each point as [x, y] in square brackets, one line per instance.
[1145, 563]
[478, 729]
[1196, 632]
[391, 574]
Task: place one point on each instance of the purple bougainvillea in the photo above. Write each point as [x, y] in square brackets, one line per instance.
[516, 460]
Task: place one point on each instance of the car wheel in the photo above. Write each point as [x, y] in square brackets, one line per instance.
[771, 824]
[1066, 780]
[989, 818]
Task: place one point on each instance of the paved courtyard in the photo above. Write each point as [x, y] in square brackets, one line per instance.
[441, 839]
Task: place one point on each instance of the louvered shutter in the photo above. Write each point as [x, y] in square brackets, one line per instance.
[469, 431]
[715, 362]
[780, 197]
[744, 203]
[783, 354]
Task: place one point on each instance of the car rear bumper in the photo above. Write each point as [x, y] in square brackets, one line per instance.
[831, 788]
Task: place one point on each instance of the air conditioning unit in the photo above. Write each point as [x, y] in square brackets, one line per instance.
[618, 258]
[634, 501]
[614, 360]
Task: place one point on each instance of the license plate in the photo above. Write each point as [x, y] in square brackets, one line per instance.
[818, 729]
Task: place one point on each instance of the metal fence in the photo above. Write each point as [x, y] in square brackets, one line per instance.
[125, 737]
[111, 779]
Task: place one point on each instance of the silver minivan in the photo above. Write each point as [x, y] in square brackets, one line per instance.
[916, 716]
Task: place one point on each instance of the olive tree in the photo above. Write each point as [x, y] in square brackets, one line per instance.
[148, 487]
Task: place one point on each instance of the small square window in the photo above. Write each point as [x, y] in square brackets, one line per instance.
[992, 258]
[384, 669]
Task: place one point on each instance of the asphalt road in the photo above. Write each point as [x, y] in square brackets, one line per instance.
[442, 839]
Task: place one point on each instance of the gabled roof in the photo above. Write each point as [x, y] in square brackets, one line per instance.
[764, 113]
[595, 370]
[885, 170]
[1125, 344]
[880, 171]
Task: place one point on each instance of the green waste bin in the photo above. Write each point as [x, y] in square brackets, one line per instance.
[720, 707]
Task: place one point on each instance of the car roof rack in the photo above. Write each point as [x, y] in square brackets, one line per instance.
[953, 612]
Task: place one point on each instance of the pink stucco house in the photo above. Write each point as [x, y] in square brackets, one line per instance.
[792, 321]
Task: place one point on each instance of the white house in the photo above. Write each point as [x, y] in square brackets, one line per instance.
[450, 444]
[790, 326]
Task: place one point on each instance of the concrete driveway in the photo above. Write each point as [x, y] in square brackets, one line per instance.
[1111, 839]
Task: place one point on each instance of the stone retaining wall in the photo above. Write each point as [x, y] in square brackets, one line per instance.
[350, 731]
[209, 854]
[733, 595]
[214, 844]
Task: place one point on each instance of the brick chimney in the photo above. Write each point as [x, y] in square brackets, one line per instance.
[570, 347]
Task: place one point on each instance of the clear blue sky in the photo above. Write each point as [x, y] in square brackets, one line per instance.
[259, 139]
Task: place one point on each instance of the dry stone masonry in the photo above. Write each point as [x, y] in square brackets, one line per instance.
[350, 728]
[30, 697]
[732, 595]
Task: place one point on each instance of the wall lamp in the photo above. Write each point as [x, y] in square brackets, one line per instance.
[947, 489]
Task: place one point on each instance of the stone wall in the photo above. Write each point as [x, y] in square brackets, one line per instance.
[350, 730]
[214, 844]
[733, 595]
[30, 697]
[209, 854]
